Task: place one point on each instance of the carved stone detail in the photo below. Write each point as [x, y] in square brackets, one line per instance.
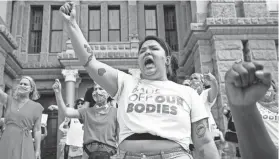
[197, 26]
[106, 49]
[217, 9]
[242, 21]
[70, 74]
[255, 9]
[5, 32]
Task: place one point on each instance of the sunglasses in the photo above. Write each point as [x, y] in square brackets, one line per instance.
[80, 103]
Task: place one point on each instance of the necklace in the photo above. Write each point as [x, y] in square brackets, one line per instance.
[21, 104]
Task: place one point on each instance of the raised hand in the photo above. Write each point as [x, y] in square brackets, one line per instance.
[246, 83]
[225, 109]
[209, 77]
[53, 107]
[56, 86]
[68, 11]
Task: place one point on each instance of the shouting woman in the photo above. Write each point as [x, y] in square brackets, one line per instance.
[157, 117]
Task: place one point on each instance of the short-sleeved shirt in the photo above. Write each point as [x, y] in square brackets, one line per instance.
[99, 127]
[75, 133]
[271, 123]
[161, 108]
[88, 97]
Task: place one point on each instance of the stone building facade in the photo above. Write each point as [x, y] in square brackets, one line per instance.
[205, 36]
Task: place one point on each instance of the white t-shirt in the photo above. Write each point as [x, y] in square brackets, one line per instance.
[161, 108]
[75, 133]
[208, 106]
[271, 123]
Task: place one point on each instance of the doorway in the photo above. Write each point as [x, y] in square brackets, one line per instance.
[49, 144]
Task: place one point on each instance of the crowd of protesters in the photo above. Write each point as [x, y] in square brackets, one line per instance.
[153, 116]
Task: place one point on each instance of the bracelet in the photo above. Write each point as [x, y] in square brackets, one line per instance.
[88, 60]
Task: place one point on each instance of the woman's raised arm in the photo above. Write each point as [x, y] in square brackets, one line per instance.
[101, 73]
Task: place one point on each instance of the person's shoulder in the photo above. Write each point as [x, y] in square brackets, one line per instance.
[35, 103]
[125, 76]
[37, 106]
[113, 109]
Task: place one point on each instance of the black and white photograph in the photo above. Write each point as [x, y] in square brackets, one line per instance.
[139, 79]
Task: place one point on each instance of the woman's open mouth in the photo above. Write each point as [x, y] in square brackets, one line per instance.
[149, 62]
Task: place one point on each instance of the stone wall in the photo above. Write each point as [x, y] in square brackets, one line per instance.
[264, 52]
[2, 66]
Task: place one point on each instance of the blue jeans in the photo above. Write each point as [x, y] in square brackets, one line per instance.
[168, 154]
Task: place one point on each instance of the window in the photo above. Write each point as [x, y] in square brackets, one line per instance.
[94, 24]
[35, 37]
[170, 27]
[56, 31]
[150, 20]
[114, 23]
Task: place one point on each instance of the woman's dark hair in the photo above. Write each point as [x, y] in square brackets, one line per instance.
[172, 68]
[77, 102]
[164, 44]
[109, 99]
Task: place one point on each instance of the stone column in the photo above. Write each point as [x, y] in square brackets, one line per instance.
[25, 31]
[14, 18]
[78, 11]
[133, 17]
[45, 34]
[20, 25]
[133, 26]
[70, 79]
[161, 21]
[84, 20]
[3, 56]
[124, 21]
[141, 26]
[77, 84]
[104, 21]
[69, 98]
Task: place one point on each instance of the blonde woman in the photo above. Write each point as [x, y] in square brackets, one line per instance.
[22, 115]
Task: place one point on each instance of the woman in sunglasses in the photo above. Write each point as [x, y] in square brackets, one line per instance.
[72, 140]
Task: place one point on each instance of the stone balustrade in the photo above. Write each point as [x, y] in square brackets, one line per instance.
[104, 50]
[242, 21]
